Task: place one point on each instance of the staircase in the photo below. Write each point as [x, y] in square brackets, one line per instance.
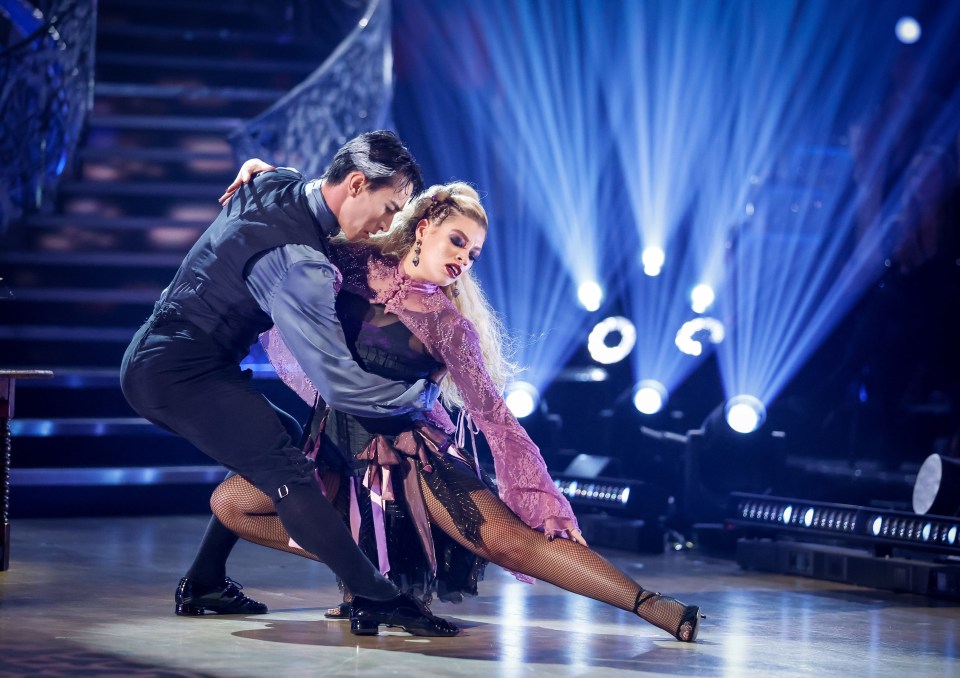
[173, 79]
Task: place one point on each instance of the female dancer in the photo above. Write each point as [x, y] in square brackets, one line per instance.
[410, 309]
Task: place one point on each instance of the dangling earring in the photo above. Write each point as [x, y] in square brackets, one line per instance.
[416, 253]
[456, 290]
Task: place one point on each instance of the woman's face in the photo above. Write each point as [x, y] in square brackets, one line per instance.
[448, 250]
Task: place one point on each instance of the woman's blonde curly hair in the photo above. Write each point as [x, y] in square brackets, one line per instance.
[436, 204]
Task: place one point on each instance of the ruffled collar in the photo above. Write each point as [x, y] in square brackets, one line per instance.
[399, 284]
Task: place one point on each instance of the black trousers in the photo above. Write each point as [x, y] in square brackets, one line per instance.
[179, 378]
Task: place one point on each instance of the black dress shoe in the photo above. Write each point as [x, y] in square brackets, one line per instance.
[403, 611]
[225, 598]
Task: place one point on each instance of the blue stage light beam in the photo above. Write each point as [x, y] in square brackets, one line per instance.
[557, 128]
[667, 93]
[541, 188]
[727, 124]
[805, 253]
[777, 79]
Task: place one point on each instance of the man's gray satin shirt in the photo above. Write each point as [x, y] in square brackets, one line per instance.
[294, 285]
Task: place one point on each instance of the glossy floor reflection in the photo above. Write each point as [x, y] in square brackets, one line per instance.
[95, 597]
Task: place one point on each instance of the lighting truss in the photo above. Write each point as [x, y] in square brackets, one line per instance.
[844, 522]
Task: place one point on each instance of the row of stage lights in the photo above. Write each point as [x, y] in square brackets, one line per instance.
[597, 493]
[612, 339]
[848, 522]
[743, 413]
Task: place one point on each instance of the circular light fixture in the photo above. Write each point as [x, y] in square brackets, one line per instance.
[613, 329]
[908, 30]
[701, 298]
[693, 333]
[522, 398]
[649, 396]
[590, 294]
[745, 413]
[652, 260]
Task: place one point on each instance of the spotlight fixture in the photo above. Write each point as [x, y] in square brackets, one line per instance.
[745, 413]
[590, 295]
[522, 398]
[652, 259]
[701, 298]
[649, 396]
[611, 340]
[908, 30]
[693, 333]
[937, 488]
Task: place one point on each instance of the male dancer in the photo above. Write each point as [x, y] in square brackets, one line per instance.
[263, 262]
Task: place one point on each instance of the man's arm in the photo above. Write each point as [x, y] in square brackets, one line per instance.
[295, 286]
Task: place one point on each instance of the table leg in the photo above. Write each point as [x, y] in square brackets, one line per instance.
[5, 493]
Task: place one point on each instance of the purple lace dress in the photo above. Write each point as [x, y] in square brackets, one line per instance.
[404, 329]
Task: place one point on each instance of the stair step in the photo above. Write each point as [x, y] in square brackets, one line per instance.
[167, 123]
[186, 92]
[150, 475]
[68, 333]
[145, 188]
[204, 19]
[72, 378]
[87, 296]
[85, 427]
[153, 154]
[216, 36]
[85, 222]
[100, 259]
[194, 64]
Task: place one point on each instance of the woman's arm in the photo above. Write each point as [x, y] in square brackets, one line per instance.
[522, 477]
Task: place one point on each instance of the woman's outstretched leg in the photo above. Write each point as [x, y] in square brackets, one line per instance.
[508, 542]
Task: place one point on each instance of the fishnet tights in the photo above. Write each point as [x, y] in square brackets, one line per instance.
[506, 541]
[249, 513]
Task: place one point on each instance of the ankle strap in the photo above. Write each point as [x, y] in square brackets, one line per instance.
[643, 596]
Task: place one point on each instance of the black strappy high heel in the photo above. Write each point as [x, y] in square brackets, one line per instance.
[689, 625]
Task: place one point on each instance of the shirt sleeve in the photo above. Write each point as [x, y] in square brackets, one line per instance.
[296, 286]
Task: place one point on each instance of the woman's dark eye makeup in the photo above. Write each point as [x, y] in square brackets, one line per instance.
[460, 242]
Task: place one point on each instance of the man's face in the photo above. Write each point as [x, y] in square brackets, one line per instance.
[365, 211]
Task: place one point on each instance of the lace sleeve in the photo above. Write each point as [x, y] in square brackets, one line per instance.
[524, 483]
[287, 367]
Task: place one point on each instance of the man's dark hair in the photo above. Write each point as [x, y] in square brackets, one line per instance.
[381, 157]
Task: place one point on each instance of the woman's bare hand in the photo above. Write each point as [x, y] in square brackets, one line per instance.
[247, 170]
[577, 536]
[573, 535]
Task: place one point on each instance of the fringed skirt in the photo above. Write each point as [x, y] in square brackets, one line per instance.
[377, 488]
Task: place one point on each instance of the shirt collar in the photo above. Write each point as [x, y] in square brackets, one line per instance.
[329, 226]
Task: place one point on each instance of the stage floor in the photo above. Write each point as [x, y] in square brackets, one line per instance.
[95, 597]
